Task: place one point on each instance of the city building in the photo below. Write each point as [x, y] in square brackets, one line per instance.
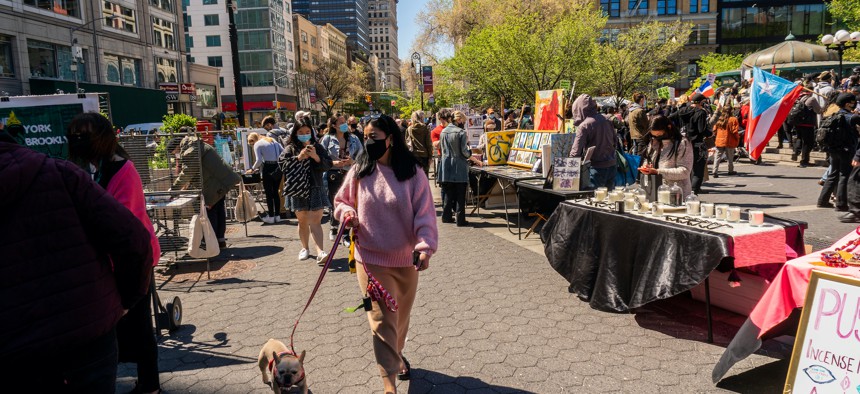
[348, 16]
[333, 43]
[749, 26]
[382, 17]
[266, 53]
[307, 43]
[120, 47]
[623, 14]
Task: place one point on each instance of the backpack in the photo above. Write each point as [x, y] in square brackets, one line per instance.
[800, 113]
[831, 134]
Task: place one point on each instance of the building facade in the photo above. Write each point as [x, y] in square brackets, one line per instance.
[266, 53]
[333, 43]
[117, 46]
[382, 16]
[307, 43]
[348, 16]
[749, 26]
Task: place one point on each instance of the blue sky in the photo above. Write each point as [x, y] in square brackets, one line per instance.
[406, 12]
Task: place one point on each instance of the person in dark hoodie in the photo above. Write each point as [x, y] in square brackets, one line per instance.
[593, 130]
[68, 273]
[693, 120]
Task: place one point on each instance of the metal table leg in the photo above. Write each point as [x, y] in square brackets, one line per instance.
[708, 310]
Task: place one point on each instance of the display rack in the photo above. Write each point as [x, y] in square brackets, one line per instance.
[526, 147]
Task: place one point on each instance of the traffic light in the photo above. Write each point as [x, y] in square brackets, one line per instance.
[367, 98]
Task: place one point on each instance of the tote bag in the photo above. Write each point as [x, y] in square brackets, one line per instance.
[297, 177]
[202, 232]
[245, 209]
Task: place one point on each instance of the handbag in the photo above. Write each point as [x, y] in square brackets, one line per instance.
[202, 232]
[245, 209]
[297, 177]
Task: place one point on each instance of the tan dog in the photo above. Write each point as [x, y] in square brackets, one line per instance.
[287, 370]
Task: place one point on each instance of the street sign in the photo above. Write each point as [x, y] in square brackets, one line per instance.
[330, 102]
[427, 78]
[192, 98]
[171, 97]
[187, 88]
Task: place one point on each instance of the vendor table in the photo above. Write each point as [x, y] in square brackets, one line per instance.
[618, 262]
[169, 211]
[783, 298]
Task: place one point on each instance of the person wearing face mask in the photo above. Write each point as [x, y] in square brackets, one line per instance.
[93, 146]
[309, 211]
[454, 166]
[343, 147]
[387, 200]
[355, 129]
[668, 153]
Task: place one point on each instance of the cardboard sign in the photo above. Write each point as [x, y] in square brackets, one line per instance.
[826, 355]
[566, 172]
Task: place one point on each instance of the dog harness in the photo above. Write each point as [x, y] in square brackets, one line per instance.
[272, 367]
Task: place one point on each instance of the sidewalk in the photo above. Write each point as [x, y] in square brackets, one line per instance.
[491, 316]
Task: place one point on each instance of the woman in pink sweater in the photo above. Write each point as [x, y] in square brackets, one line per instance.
[387, 199]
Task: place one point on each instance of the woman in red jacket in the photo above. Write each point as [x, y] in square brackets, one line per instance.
[93, 146]
[726, 131]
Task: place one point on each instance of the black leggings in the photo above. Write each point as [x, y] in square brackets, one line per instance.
[334, 184]
[270, 186]
[218, 218]
[136, 339]
[455, 201]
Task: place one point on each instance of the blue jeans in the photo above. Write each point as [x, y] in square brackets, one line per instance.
[602, 177]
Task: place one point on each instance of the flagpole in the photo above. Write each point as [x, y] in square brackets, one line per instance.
[814, 92]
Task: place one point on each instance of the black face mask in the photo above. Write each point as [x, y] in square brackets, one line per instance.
[375, 148]
[80, 148]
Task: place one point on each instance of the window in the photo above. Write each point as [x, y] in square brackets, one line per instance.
[62, 7]
[255, 61]
[694, 6]
[305, 55]
[667, 7]
[53, 61]
[215, 61]
[249, 40]
[699, 35]
[706, 6]
[210, 2]
[189, 42]
[609, 35]
[123, 17]
[304, 37]
[6, 69]
[213, 41]
[313, 42]
[187, 24]
[163, 4]
[210, 20]
[637, 7]
[252, 19]
[122, 70]
[221, 82]
[290, 45]
[165, 70]
[162, 32]
[256, 79]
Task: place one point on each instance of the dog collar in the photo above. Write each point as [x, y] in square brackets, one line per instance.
[272, 367]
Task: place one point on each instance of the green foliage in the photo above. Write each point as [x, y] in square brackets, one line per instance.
[848, 12]
[172, 123]
[526, 53]
[642, 58]
[719, 62]
[159, 159]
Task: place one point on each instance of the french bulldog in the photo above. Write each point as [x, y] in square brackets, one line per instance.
[287, 369]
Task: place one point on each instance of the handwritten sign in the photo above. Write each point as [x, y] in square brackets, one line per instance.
[826, 356]
[566, 173]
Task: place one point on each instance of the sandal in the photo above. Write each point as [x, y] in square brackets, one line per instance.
[405, 375]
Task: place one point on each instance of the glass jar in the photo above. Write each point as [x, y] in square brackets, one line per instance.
[664, 196]
[693, 204]
[676, 195]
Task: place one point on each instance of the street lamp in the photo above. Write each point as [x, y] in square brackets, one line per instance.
[77, 53]
[416, 57]
[839, 42]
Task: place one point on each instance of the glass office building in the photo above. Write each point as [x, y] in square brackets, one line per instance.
[348, 16]
[749, 26]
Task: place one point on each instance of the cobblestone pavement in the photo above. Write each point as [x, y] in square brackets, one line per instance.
[490, 316]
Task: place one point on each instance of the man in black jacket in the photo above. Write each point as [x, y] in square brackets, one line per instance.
[694, 123]
[74, 260]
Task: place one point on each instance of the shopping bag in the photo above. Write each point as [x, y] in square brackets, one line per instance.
[246, 211]
[297, 177]
[202, 232]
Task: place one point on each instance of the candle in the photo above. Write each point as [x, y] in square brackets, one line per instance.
[663, 196]
[693, 208]
[657, 209]
[720, 211]
[600, 194]
[733, 214]
[707, 210]
[756, 218]
[645, 207]
[629, 195]
[629, 204]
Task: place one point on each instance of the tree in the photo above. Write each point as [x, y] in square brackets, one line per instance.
[334, 82]
[643, 57]
[719, 62]
[848, 11]
[526, 53]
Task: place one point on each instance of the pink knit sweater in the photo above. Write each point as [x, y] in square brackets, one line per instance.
[395, 218]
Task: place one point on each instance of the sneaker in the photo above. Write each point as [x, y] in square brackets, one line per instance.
[321, 258]
[824, 205]
[794, 157]
[331, 235]
[715, 175]
[269, 220]
[277, 219]
[304, 254]
[849, 218]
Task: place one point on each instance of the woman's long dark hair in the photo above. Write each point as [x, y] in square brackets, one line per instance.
[403, 162]
[294, 136]
[661, 122]
[103, 141]
[331, 127]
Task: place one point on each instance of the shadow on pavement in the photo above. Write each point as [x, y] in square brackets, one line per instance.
[249, 252]
[424, 381]
[180, 352]
[768, 378]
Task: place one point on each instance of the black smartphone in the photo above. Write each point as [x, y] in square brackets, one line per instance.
[416, 258]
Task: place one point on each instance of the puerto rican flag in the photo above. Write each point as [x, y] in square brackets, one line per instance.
[770, 101]
[706, 89]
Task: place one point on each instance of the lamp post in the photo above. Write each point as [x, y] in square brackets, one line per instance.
[416, 57]
[839, 42]
[77, 53]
